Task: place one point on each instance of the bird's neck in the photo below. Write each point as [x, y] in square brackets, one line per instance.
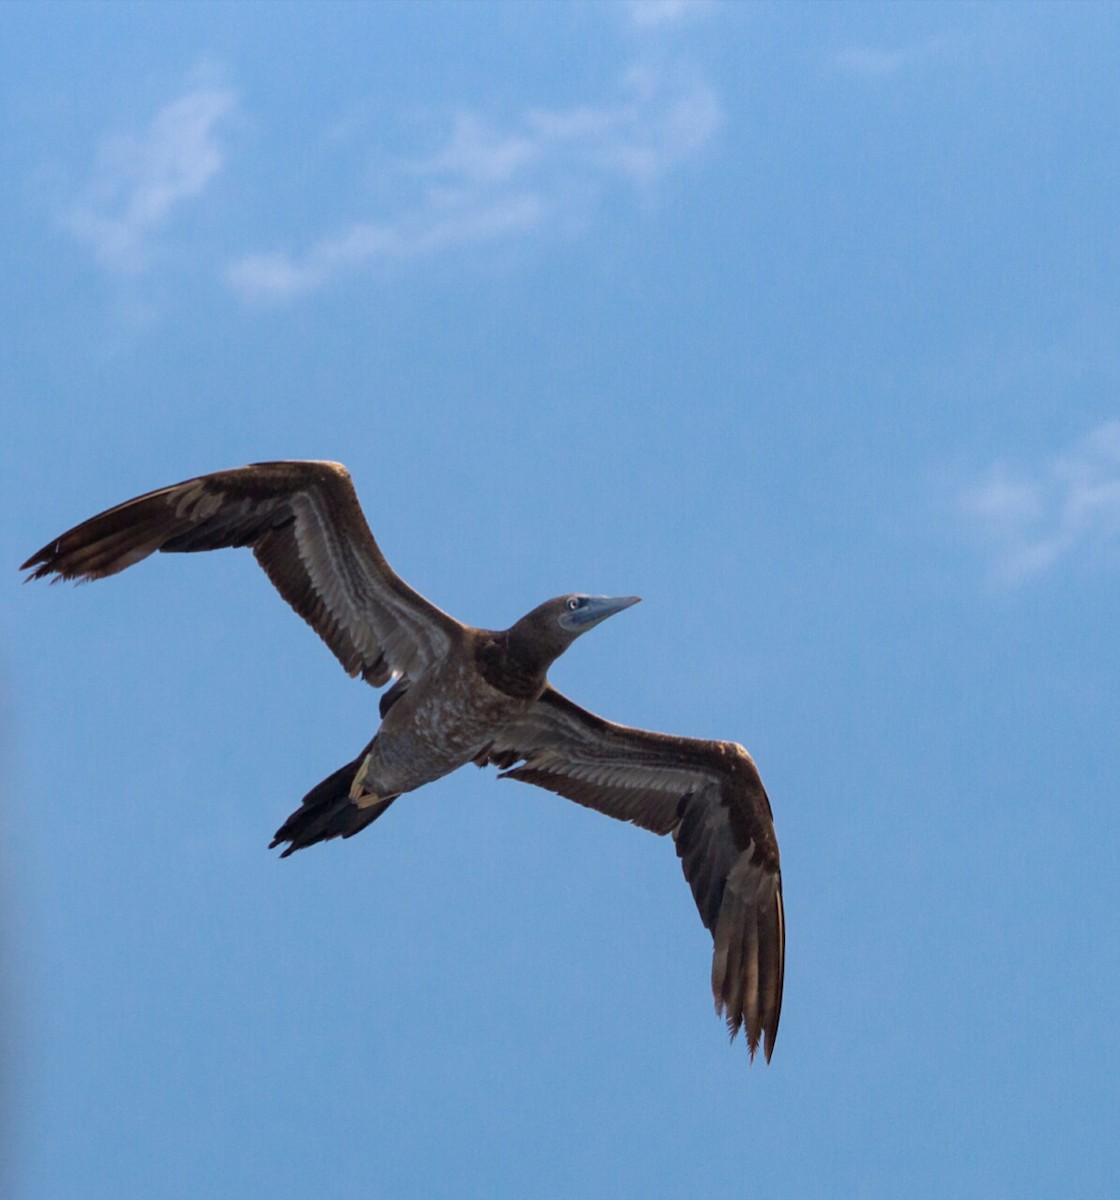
[513, 663]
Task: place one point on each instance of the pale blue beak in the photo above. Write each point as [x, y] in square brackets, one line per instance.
[594, 609]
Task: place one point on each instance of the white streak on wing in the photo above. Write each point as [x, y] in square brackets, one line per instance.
[615, 774]
[377, 620]
[195, 503]
[749, 883]
[313, 539]
[317, 542]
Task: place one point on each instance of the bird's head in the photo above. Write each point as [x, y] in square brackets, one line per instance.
[577, 614]
[552, 627]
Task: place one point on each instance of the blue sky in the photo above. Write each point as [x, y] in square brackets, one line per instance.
[798, 321]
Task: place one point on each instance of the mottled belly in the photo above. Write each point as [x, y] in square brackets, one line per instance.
[426, 736]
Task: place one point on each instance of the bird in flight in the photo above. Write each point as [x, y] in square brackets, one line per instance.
[460, 695]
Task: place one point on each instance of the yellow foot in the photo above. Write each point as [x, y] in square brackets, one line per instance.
[358, 793]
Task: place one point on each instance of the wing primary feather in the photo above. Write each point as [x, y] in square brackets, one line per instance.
[769, 967]
[750, 1007]
[775, 1010]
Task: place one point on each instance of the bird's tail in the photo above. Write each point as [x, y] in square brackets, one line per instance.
[328, 811]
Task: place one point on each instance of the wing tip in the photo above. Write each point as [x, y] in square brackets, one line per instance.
[748, 973]
[45, 564]
[770, 1039]
[764, 1038]
[39, 564]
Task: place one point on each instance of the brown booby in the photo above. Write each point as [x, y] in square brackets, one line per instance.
[461, 694]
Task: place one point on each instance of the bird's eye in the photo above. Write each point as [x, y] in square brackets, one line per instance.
[573, 603]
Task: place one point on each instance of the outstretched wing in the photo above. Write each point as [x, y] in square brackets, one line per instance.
[709, 796]
[307, 531]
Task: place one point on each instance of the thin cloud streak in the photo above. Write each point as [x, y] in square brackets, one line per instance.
[879, 62]
[140, 180]
[485, 183]
[277, 277]
[650, 14]
[1034, 520]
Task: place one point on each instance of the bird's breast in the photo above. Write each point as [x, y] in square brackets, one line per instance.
[463, 711]
[439, 724]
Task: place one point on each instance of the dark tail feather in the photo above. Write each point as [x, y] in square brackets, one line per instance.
[328, 812]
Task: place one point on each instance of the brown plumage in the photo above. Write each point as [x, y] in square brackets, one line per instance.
[470, 695]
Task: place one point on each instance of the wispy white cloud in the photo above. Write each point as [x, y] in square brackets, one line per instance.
[1034, 519]
[484, 182]
[878, 62]
[141, 179]
[648, 14]
[443, 224]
